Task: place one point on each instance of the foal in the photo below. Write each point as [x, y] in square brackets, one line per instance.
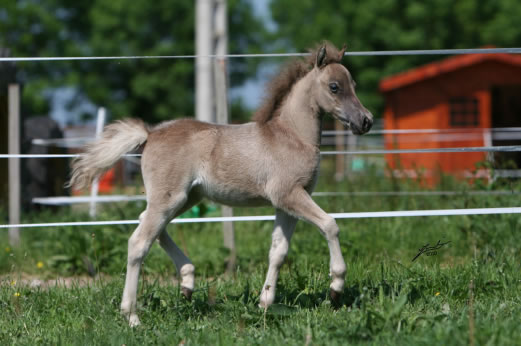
[271, 161]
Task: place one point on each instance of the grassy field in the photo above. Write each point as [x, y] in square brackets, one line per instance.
[467, 293]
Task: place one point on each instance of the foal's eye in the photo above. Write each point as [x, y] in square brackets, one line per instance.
[333, 87]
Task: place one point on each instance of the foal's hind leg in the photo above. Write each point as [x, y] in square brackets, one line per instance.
[299, 204]
[153, 221]
[185, 268]
[281, 236]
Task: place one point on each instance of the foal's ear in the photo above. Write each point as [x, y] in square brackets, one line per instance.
[342, 52]
[321, 56]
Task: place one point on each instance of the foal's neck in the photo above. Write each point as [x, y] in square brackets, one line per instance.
[300, 113]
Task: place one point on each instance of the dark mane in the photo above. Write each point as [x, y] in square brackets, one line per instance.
[280, 86]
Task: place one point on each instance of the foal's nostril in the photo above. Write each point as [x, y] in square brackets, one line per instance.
[367, 124]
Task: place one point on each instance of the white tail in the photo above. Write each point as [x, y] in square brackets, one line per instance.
[117, 139]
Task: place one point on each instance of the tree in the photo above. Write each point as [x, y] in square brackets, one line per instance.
[153, 89]
[395, 25]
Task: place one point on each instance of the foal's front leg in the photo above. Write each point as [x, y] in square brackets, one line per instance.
[299, 204]
[281, 236]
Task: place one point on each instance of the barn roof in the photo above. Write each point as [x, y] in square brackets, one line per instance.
[437, 68]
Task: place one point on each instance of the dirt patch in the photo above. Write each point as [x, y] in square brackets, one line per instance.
[34, 281]
[28, 280]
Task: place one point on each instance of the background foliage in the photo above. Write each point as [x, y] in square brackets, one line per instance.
[154, 89]
[163, 89]
[395, 25]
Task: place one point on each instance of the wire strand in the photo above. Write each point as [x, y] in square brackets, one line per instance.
[66, 200]
[506, 148]
[376, 214]
[513, 50]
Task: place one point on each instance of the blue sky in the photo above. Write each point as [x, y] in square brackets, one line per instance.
[251, 92]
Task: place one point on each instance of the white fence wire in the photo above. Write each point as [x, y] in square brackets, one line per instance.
[374, 214]
[381, 214]
[513, 50]
[506, 148]
[404, 213]
[66, 200]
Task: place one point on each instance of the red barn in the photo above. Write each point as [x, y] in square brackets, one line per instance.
[463, 96]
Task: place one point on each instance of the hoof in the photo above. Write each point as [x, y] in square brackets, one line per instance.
[187, 293]
[335, 298]
[267, 297]
[133, 321]
[264, 305]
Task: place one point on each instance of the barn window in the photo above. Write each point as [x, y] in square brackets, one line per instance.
[464, 111]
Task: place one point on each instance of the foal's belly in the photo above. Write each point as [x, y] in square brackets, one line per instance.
[234, 196]
[239, 201]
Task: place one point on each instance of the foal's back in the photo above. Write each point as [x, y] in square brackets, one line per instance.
[230, 164]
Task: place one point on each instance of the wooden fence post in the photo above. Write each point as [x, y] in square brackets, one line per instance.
[221, 98]
[14, 162]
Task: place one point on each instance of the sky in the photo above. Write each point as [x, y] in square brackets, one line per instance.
[60, 111]
[252, 91]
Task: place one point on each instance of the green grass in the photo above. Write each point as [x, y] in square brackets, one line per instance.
[388, 299]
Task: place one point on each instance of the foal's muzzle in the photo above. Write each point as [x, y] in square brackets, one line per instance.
[363, 126]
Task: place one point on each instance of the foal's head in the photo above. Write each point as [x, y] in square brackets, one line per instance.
[334, 91]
